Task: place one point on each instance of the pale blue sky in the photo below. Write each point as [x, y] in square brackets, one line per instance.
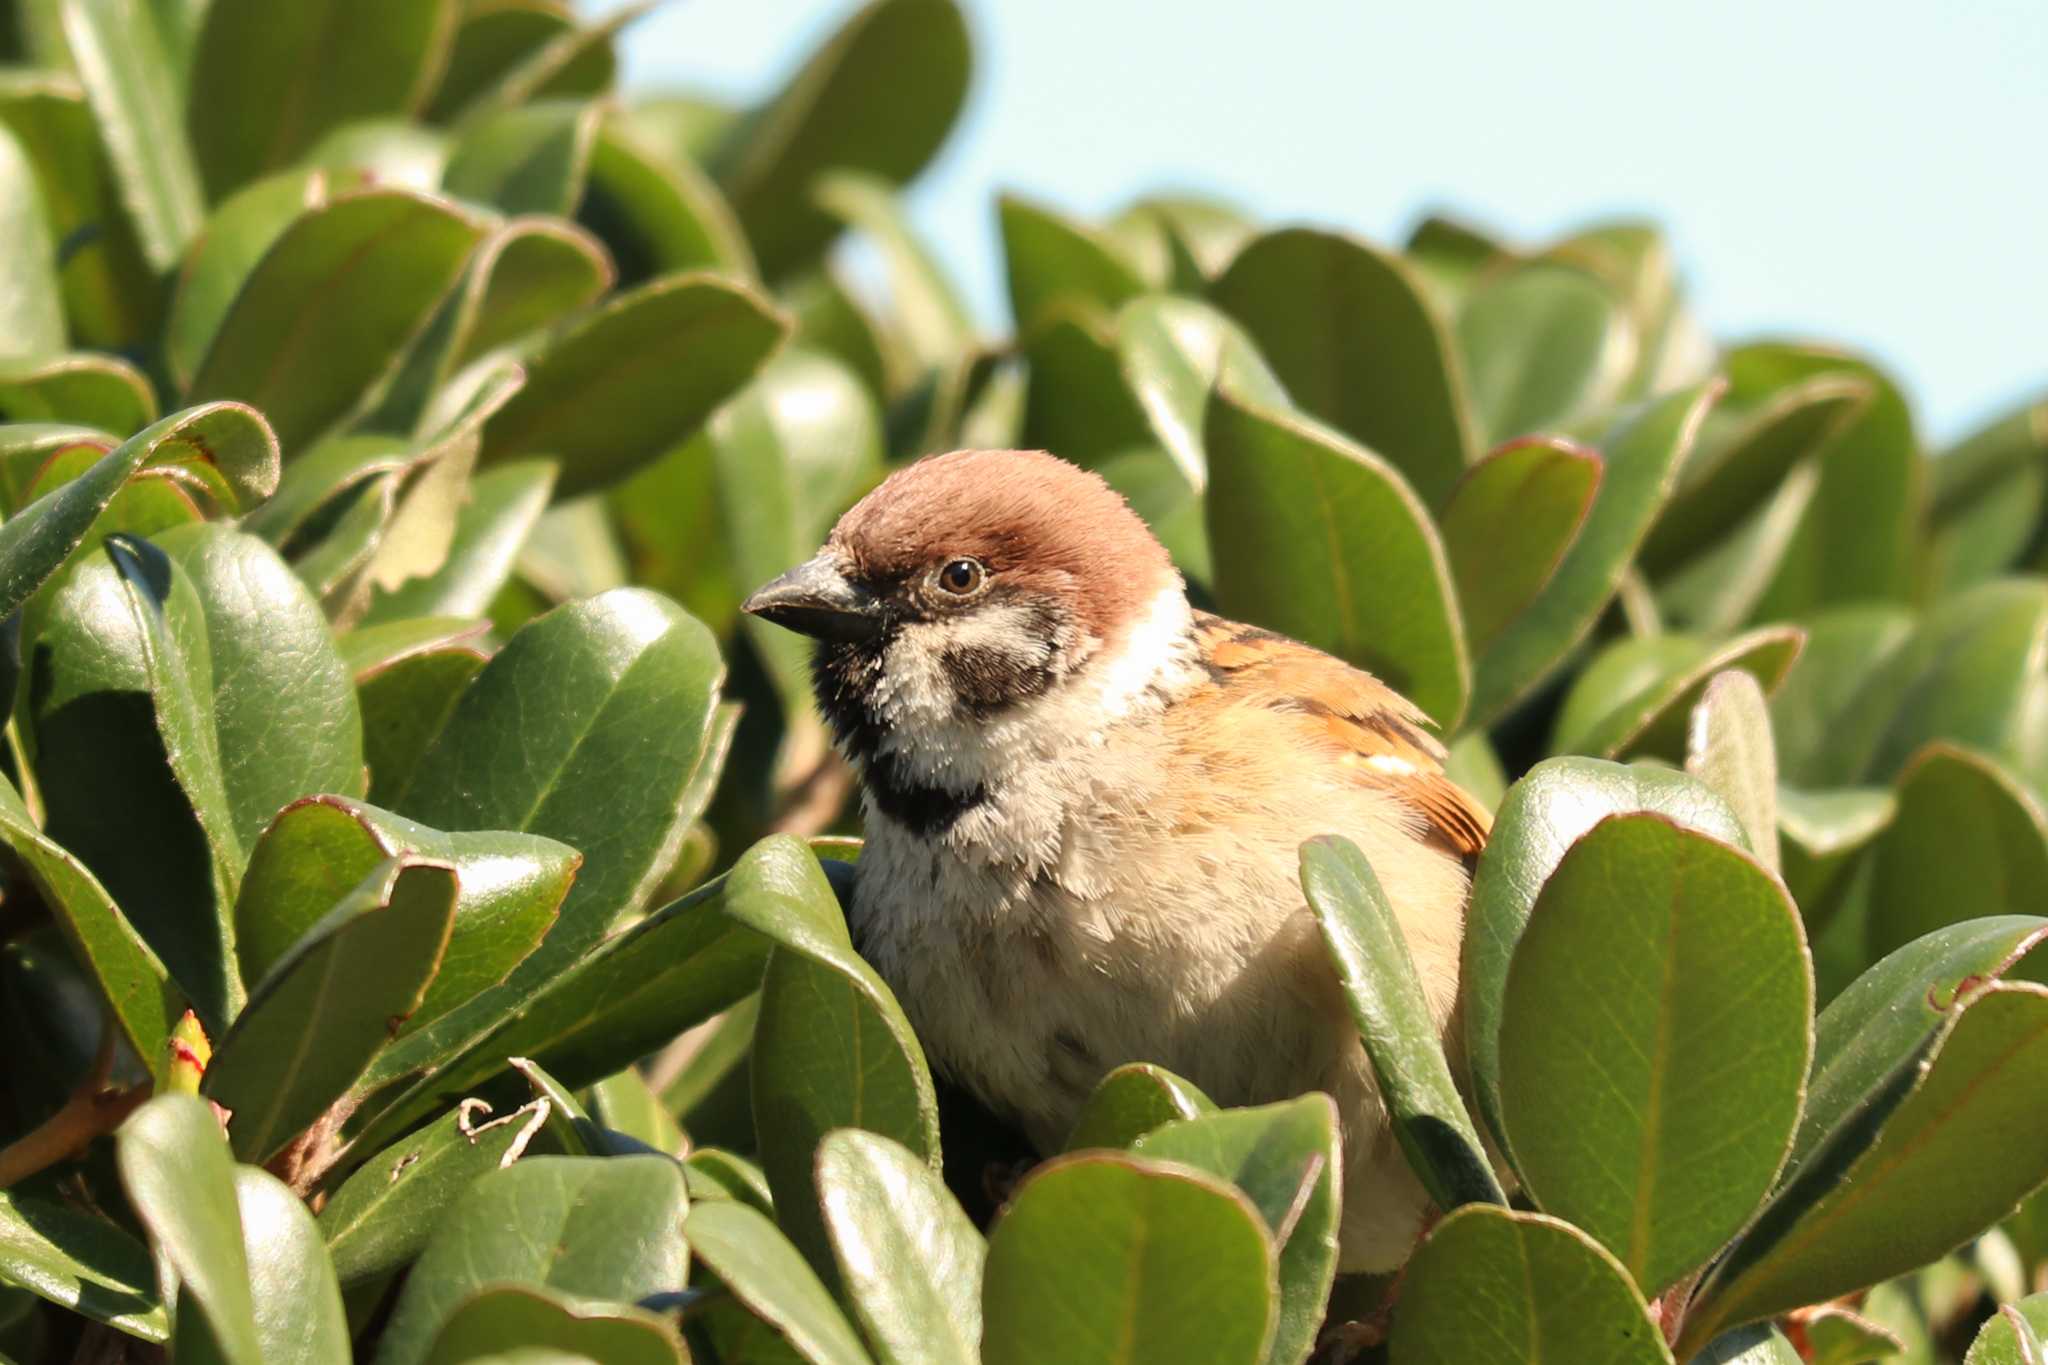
[1872, 173]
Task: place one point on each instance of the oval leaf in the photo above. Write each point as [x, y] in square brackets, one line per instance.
[1130, 1102]
[1173, 352]
[1508, 524]
[759, 1267]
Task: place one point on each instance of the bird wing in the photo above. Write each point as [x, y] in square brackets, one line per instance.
[1380, 734]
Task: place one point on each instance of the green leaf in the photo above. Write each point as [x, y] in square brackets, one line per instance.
[1541, 817]
[868, 1072]
[1728, 747]
[715, 1174]
[128, 974]
[1641, 462]
[239, 233]
[1146, 1261]
[132, 90]
[1637, 695]
[1820, 838]
[578, 60]
[1076, 402]
[384, 1214]
[656, 210]
[181, 1184]
[493, 41]
[1957, 1153]
[1316, 538]
[848, 108]
[1662, 977]
[275, 82]
[909, 1257]
[404, 708]
[1508, 524]
[502, 508]
[329, 308]
[90, 390]
[1746, 451]
[1517, 1288]
[759, 1267]
[635, 378]
[1395, 1019]
[625, 1103]
[1053, 261]
[1718, 590]
[110, 296]
[369, 650]
[347, 986]
[526, 1319]
[298, 1304]
[1358, 345]
[1860, 537]
[586, 728]
[1845, 647]
[320, 848]
[624, 998]
[532, 159]
[81, 1262]
[1174, 352]
[935, 321]
[1130, 1102]
[31, 305]
[2016, 1335]
[230, 438]
[1543, 344]
[606, 1228]
[1761, 1344]
[1286, 1158]
[1969, 840]
[1881, 1026]
[1988, 493]
[1840, 1337]
[1153, 484]
[282, 701]
[1968, 676]
[383, 151]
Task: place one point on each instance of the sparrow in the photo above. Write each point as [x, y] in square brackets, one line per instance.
[1083, 801]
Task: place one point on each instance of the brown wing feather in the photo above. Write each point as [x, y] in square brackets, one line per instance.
[1380, 731]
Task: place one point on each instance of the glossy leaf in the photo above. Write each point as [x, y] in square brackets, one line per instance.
[1316, 538]
[499, 514]
[1174, 352]
[181, 1183]
[320, 848]
[1662, 976]
[606, 1228]
[1957, 1153]
[1742, 456]
[330, 306]
[659, 212]
[1288, 1161]
[228, 437]
[1387, 1001]
[525, 1319]
[31, 306]
[298, 1303]
[1146, 1260]
[491, 43]
[1543, 344]
[624, 1103]
[2016, 1335]
[277, 81]
[1728, 747]
[1507, 526]
[87, 389]
[759, 1267]
[132, 90]
[848, 108]
[239, 232]
[1499, 1285]
[1130, 1102]
[869, 1073]
[909, 1257]
[1051, 260]
[383, 1216]
[1844, 649]
[1636, 697]
[349, 983]
[1641, 463]
[1076, 402]
[1541, 817]
[1969, 840]
[80, 1261]
[635, 378]
[531, 159]
[1358, 345]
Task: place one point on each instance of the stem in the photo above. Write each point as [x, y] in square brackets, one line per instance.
[92, 1111]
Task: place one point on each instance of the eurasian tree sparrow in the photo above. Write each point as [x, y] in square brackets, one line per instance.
[1084, 801]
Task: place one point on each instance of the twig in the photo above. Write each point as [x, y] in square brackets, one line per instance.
[92, 1111]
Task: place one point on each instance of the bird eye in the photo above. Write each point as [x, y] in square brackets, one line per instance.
[962, 577]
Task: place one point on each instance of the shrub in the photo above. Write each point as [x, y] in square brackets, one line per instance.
[396, 874]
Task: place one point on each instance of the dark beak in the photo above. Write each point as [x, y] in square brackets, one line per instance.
[815, 599]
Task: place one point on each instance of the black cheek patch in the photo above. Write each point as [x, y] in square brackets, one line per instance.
[988, 679]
